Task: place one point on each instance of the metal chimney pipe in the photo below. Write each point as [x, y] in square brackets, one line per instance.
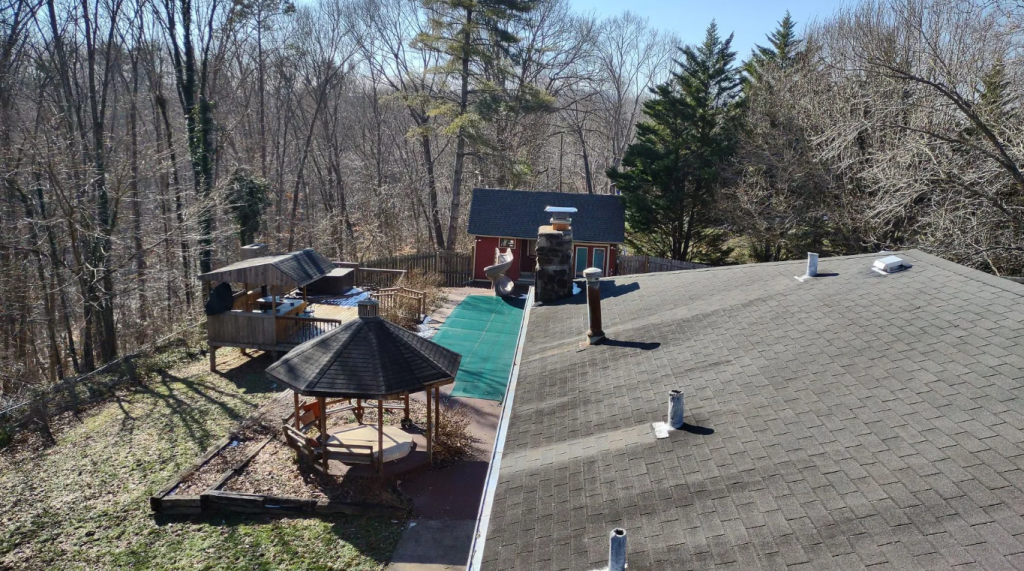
[812, 264]
[675, 409]
[617, 550]
[595, 334]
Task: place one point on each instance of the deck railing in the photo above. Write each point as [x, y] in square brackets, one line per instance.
[403, 298]
[295, 329]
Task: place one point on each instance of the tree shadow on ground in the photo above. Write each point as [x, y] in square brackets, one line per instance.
[187, 414]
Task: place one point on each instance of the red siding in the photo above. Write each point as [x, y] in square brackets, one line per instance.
[484, 254]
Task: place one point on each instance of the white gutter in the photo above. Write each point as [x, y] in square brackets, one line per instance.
[483, 518]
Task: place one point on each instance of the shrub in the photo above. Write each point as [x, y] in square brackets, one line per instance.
[454, 440]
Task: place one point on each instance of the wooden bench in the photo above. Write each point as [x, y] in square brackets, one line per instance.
[344, 453]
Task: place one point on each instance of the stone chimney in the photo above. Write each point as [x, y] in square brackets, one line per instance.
[554, 256]
[255, 251]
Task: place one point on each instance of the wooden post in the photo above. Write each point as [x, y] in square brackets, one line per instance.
[323, 431]
[213, 358]
[407, 407]
[437, 412]
[380, 436]
[303, 293]
[273, 312]
[359, 411]
[430, 429]
[296, 395]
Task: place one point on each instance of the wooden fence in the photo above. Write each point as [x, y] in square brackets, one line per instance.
[627, 265]
[377, 278]
[456, 268]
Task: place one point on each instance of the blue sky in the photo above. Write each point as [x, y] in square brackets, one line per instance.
[750, 20]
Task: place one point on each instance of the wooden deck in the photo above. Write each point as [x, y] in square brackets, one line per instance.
[293, 325]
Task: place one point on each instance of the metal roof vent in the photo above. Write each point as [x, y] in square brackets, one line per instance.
[889, 265]
[560, 219]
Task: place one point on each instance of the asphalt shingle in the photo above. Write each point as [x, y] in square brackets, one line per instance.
[518, 214]
[860, 421]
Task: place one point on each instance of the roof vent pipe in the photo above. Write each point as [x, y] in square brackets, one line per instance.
[595, 334]
[812, 265]
[368, 309]
[617, 550]
[675, 409]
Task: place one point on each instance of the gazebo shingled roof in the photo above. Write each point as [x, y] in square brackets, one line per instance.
[295, 269]
[368, 358]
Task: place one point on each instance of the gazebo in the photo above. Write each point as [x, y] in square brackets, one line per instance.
[366, 359]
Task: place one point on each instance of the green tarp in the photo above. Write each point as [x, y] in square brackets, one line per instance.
[484, 330]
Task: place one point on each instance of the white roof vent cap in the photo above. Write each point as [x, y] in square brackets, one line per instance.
[561, 210]
[889, 264]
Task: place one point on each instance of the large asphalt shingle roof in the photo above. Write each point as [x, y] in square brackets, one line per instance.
[518, 214]
[860, 421]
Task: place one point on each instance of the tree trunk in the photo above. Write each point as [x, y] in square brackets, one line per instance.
[460, 147]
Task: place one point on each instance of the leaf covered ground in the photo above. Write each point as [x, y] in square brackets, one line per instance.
[84, 502]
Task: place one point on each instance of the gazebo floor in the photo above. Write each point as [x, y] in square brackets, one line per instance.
[406, 463]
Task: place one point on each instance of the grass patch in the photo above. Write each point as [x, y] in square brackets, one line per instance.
[84, 503]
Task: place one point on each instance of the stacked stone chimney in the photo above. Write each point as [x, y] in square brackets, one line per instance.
[554, 260]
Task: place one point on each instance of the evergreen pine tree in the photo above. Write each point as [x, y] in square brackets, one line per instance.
[784, 50]
[672, 172]
[472, 35]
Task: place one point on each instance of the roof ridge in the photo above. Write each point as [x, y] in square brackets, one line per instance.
[326, 365]
[969, 272]
[308, 345]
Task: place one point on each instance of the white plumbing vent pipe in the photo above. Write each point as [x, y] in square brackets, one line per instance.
[812, 267]
[617, 550]
[675, 409]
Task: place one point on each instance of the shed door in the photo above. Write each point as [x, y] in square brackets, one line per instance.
[599, 260]
[581, 259]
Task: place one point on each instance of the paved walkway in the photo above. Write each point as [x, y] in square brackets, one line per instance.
[446, 501]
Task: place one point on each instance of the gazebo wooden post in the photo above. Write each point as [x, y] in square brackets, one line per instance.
[430, 429]
[359, 410]
[380, 436]
[407, 407]
[323, 431]
[296, 395]
[303, 293]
